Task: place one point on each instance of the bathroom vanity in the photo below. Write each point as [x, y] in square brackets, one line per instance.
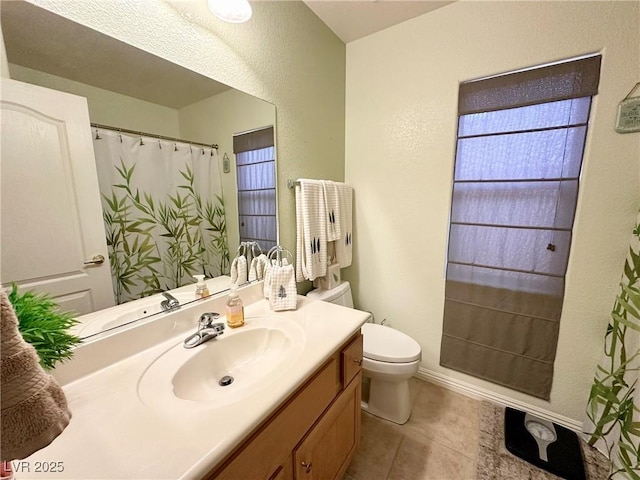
[145, 407]
[313, 434]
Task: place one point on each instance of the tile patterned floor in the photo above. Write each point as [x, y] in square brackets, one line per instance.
[439, 442]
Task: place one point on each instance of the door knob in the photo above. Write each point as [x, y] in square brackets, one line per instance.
[95, 260]
[358, 361]
[307, 467]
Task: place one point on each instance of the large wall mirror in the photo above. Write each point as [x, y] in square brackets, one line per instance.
[176, 154]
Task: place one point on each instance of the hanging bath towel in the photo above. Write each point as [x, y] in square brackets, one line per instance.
[332, 209]
[239, 270]
[311, 251]
[344, 244]
[283, 295]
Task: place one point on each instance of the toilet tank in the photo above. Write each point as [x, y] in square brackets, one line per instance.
[340, 295]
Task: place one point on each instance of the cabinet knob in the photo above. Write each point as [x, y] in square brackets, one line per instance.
[358, 361]
[307, 467]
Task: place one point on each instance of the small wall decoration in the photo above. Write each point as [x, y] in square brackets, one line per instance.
[226, 167]
[629, 113]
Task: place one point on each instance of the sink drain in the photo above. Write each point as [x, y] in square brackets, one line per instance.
[226, 380]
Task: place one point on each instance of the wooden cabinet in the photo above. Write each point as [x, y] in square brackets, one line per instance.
[313, 434]
[327, 449]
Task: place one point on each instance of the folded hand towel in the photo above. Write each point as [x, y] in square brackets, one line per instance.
[311, 251]
[34, 408]
[239, 270]
[268, 269]
[332, 209]
[344, 244]
[283, 288]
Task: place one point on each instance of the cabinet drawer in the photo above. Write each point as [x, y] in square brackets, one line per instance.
[263, 455]
[351, 360]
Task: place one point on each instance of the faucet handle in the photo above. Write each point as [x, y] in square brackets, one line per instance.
[207, 319]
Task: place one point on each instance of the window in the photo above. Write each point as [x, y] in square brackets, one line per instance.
[256, 177]
[521, 138]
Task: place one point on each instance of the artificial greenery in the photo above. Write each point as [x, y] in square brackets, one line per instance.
[44, 326]
[613, 409]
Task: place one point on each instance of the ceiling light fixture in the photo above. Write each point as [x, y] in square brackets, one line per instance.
[232, 11]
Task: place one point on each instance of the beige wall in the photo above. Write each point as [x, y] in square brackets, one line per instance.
[106, 107]
[402, 86]
[284, 55]
[219, 118]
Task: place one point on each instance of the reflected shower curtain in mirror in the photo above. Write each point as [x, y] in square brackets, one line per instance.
[163, 212]
[613, 412]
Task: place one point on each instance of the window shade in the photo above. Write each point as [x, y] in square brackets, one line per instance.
[562, 81]
[257, 196]
[255, 140]
[513, 205]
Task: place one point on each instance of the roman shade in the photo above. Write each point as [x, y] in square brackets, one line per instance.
[520, 144]
[256, 179]
[254, 140]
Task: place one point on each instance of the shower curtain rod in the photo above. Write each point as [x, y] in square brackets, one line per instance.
[153, 135]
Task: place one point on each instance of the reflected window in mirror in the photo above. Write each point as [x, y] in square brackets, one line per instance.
[256, 176]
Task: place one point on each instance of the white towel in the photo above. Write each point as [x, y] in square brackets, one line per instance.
[332, 209]
[266, 288]
[253, 269]
[239, 270]
[261, 265]
[283, 288]
[311, 224]
[344, 244]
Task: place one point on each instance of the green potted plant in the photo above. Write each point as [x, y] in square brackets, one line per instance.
[44, 326]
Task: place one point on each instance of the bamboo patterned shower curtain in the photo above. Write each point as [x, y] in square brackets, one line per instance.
[613, 423]
[163, 212]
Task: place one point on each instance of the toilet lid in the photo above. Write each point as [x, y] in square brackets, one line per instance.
[386, 344]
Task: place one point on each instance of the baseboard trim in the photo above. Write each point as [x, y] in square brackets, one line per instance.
[480, 393]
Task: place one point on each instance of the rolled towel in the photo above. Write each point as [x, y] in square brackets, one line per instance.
[261, 266]
[233, 272]
[344, 244]
[33, 406]
[332, 210]
[239, 274]
[283, 294]
[253, 269]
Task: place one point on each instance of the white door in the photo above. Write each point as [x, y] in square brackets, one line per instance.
[51, 217]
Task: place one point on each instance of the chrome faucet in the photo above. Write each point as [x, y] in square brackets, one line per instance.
[207, 330]
[171, 302]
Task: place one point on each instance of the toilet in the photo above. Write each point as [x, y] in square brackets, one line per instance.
[391, 358]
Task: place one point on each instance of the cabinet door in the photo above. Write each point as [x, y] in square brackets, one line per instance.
[326, 451]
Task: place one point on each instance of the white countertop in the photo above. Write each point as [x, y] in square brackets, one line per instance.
[113, 434]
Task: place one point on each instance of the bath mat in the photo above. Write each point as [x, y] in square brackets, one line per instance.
[495, 462]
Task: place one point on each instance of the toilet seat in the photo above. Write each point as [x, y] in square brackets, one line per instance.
[386, 344]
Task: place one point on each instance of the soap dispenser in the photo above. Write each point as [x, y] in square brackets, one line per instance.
[201, 287]
[235, 308]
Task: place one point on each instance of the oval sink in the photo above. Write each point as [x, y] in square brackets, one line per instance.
[123, 314]
[253, 356]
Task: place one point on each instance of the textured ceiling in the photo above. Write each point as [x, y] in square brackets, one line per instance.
[354, 19]
[58, 46]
